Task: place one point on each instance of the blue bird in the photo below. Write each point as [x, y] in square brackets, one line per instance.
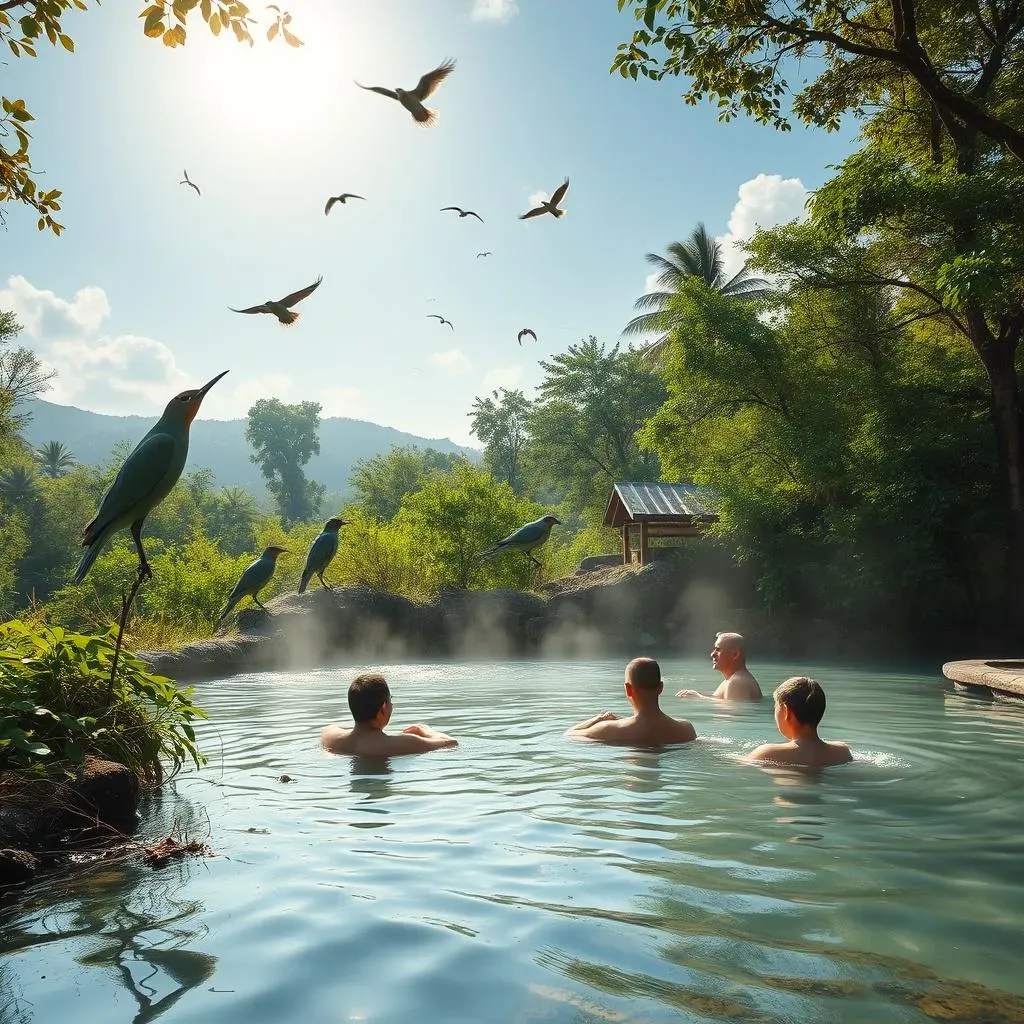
[321, 551]
[525, 539]
[255, 577]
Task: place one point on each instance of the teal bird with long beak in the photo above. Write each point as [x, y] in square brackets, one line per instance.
[255, 577]
[525, 539]
[145, 479]
[321, 551]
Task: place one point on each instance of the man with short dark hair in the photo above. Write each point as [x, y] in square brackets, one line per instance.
[799, 707]
[369, 700]
[648, 726]
[728, 656]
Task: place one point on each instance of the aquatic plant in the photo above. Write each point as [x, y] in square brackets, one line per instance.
[58, 704]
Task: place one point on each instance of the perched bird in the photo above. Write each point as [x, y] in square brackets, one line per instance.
[437, 316]
[254, 578]
[549, 205]
[145, 479]
[525, 539]
[280, 308]
[320, 553]
[463, 213]
[341, 199]
[526, 330]
[190, 183]
[412, 99]
[479, 254]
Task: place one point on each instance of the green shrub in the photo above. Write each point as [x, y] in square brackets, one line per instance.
[57, 705]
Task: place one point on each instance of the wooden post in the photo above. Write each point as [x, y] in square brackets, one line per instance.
[643, 542]
[627, 556]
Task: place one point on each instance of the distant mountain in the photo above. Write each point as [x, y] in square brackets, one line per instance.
[220, 445]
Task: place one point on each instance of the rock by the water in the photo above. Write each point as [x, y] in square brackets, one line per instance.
[16, 867]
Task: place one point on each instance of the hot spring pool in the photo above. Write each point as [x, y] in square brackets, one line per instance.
[528, 877]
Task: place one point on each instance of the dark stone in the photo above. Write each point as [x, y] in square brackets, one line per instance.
[105, 794]
[16, 867]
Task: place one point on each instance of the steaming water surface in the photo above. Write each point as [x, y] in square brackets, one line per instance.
[528, 877]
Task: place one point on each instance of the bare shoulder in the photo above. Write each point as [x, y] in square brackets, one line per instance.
[682, 731]
[841, 753]
[334, 739]
[741, 686]
[778, 753]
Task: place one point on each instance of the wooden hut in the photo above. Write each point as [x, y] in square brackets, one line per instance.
[658, 510]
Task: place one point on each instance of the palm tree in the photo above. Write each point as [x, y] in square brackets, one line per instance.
[54, 459]
[699, 256]
[19, 487]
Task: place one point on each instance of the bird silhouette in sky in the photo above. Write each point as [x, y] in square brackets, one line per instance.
[340, 199]
[188, 181]
[280, 307]
[412, 99]
[437, 316]
[526, 330]
[479, 254]
[549, 205]
[463, 213]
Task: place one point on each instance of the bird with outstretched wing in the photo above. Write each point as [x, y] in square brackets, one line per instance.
[526, 331]
[340, 199]
[549, 205]
[463, 213]
[281, 308]
[412, 99]
[188, 181]
[437, 316]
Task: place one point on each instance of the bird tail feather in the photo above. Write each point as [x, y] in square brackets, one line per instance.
[489, 552]
[232, 601]
[96, 545]
[290, 316]
[304, 581]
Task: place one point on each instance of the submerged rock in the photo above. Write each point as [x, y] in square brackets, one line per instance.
[16, 867]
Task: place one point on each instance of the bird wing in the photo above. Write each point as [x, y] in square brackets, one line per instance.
[449, 323]
[436, 316]
[330, 203]
[139, 478]
[432, 79]
[473, 213]
[535, 212]
[560, 193]
[291, 300]
[196, 187]
[321, 551]
[457, 209]
[350, 195]
[261, 308]
[379, 89]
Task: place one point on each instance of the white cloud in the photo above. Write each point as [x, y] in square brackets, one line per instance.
[764, 202]
[508, 377]
[494, 10]
[651, 283]
[538, 197]
[41, 312]
[454, 359]
[343, 402]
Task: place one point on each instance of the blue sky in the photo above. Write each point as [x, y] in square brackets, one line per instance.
[130, 303]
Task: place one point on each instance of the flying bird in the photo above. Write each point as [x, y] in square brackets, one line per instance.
[190, 183]
[253, 579]
[549, 205]
[463, 213]
[321, 551]
[437, 316]
[526, 330]
[144, 479]
[412, 99]
[340, 199]
[280, 308]
[525, 539]
[479, 254]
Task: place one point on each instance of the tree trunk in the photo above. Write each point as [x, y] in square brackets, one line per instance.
[999, 357]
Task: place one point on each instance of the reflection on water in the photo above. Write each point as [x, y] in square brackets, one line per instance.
[525, 876]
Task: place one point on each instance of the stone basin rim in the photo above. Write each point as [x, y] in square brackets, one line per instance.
[1004, 676]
